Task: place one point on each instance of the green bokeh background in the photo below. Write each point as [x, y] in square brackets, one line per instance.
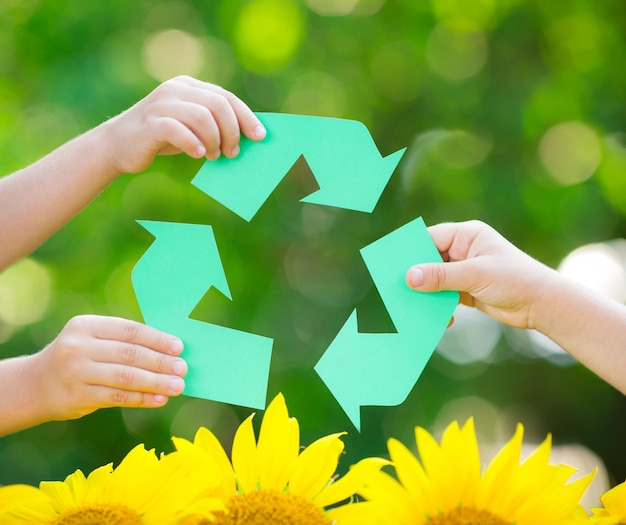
[511, 112]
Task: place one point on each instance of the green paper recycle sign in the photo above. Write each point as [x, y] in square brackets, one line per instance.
[232, 366]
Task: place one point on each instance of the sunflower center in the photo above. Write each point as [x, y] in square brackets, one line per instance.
[269, 507]
[466, 516]
[99, 515]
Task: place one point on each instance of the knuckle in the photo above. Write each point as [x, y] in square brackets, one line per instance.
[125, 376]
[120, 397]
[227, 96]
[68, 347]
[204, 118]
[131, 330]
[165, 128]
[234, 137]
[162, 364]
[438, 275]
[161, 383]
[180, 78]
[77, 323]
[162, 340]
[221, 104]
[129, 354]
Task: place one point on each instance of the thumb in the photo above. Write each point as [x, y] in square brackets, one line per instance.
[433, 277]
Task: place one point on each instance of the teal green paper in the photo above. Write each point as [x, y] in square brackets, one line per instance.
[232, 366]
[169, 280]
[341, 153]
[381, 369]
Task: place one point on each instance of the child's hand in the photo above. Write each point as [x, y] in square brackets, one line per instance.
[98, 362]
[491, 274]
[181, 115]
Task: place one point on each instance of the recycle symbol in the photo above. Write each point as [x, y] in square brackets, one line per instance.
[233, 366]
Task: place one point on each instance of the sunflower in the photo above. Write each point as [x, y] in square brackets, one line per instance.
[273, 482]
[142, 490]
[447, 487]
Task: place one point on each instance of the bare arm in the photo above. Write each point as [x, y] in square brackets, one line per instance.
[510, 286]
[97, 361]
[591, 327]
[181, 115]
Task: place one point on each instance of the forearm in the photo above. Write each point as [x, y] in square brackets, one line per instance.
[37, 200]
[591, 327]
[19, 408]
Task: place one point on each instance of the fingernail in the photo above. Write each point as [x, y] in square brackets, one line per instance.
[235, 151]
[200, 150]
[176, 346]
[215, 155]
[415, 277]
[159, 399]
[179, 367]
[177, 385]
[259, 132]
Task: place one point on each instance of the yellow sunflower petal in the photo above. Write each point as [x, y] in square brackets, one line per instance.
[96, 481]
[468, 454]
[362, 513]
[77, 485]
[459, 472]
[429, 451]
[244, 457]
[350, 484]
[498, 472]
[614, 500]
[207, 441]
[390, 502]
[439, 465]
[135, 478]
[278, 446]
[412, 475]
[59, 491]
[206, 456]
[178, 480]
[29, 502]
[530, 479]
[203, 508]
[580, 514]
[555, 502]
[316, 465]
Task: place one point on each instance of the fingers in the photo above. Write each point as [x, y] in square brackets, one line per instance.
[219, 118]
[434, 277]
[454, 241]
[249, 124]
[106, 397]
[124, 330]
[122, 355]
[137, 356]
[199, 130]
[132, 379]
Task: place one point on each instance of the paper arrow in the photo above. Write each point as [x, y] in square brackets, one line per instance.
[381, 369]
[169, 280]
[341, 153]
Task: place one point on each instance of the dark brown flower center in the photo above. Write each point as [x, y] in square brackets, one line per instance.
[466, 516]
[270, 507]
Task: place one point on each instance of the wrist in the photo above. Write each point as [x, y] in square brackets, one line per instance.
[548, 305]
[99, 143]
[19, 403]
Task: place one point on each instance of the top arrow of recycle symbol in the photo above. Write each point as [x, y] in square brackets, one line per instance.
[232, 366]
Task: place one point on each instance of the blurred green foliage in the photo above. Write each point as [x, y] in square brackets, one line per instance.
[512, 112]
